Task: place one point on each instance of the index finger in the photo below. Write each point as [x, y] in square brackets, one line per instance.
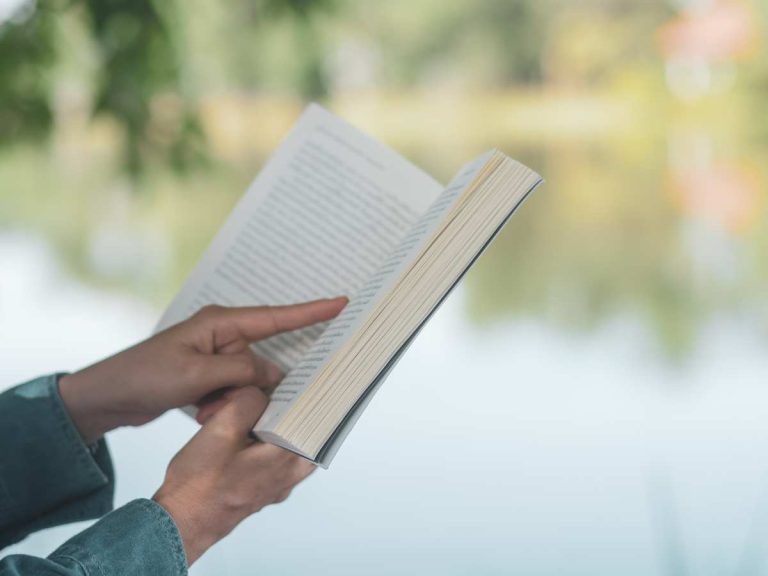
[259, 322]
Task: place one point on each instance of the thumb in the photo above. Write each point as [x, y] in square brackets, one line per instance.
[239, 415]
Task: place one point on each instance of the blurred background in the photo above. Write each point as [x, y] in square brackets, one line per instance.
[594, 397]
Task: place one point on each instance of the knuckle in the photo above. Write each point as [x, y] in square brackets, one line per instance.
[282, 496]
[224, 431]
[209, 311]
[238, 501]
[273, 319]
[256, 399]
[301, 469]
[249, 394]
[246, 367]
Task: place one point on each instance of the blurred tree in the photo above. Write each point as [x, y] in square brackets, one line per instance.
[518, 34]
[310, 80]
[24, 80]
[479, 42]
[136, 61]
[138, 46]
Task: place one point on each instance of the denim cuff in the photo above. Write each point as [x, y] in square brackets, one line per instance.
[48, 476]
[137, 539]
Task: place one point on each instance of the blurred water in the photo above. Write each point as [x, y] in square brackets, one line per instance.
[513, 446]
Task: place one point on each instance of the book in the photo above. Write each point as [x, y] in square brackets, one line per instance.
[333, 211]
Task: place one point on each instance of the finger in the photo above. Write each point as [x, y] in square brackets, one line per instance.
[215, 371]
[243, 408]
[268, 374]
[266, 377]
[208, 408]
[301, 467]
[215, 374]
[259, 322]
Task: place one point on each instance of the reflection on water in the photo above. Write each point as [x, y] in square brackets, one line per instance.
[675, 243]
[661, 217]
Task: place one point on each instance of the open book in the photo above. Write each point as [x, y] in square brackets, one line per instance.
[335, 212]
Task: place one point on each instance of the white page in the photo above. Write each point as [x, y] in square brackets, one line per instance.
[363, 302]
[317, 222]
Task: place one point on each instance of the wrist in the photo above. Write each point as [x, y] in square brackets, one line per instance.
[197, 533]
[85, 407]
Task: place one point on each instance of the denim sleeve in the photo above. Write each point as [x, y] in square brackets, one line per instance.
[138, 539]
[48, 476]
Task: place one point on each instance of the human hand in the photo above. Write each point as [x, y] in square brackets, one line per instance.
[222, 476]
[183, 365]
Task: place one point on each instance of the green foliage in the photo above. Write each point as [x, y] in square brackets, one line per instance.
[485, 43]
[27, 52]
[137, 61]
[139, 51]
[291, 8]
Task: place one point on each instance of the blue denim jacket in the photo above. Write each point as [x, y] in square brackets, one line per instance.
[48, 477]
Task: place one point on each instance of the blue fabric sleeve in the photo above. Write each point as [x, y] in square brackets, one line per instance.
[48, 476]
[138, 539]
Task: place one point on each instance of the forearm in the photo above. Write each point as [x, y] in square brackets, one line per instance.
[48, 475]
[91, 413]
[138, 539]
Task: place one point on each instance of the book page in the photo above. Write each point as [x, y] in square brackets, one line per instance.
[326, 210]
[362, 303]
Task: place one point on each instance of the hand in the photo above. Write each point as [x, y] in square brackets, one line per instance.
[221, 476]
[183, 365]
